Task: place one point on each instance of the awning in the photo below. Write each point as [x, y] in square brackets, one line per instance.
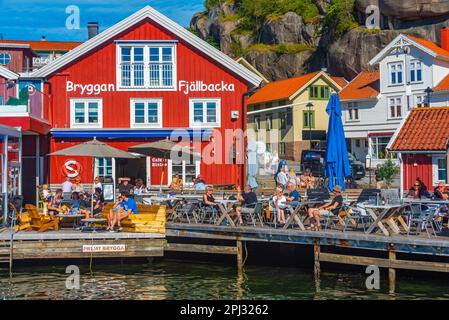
[130, 133]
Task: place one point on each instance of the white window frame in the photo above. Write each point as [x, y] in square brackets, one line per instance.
[205, 124]
[7, 56]
[413, 65]
[435, 159]
[269, 122]
[73, 101]
[146, 61]
[97, 171]
[146, 124]
[353, 106]
[423, 100]
[396, 98]
[390, 68]
[186, 183]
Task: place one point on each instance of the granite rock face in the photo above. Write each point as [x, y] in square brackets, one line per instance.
[344, 55]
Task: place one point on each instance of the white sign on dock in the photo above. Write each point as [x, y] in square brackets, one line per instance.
[104, 248]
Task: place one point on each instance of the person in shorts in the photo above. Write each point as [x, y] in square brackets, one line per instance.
[248, 200]
[332, 208]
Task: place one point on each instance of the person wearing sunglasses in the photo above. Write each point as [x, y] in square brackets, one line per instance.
[417, 191]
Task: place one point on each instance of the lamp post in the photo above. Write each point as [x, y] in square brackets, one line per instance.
[428, 91]
[368, 166]
[309, 116]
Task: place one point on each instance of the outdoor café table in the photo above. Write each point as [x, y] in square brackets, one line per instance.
[387, 213]
[76, 218]
[295, 215]
[224, 212]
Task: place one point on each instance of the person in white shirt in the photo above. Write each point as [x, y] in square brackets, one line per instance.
[67, 186]
[98, 183]
[279, 202]
[282, 178]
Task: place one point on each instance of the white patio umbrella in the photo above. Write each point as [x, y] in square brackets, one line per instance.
[94, 149]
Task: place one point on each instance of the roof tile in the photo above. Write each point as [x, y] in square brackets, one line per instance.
[364, 86]
[46, 45]
[425, 129]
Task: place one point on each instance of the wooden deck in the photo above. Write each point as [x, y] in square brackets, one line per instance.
[71, 244]
[387, 247]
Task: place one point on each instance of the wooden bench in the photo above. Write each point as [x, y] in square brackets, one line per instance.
[149, 219]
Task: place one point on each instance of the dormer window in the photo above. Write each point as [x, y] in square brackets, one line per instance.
[396, 73]
[415, 71]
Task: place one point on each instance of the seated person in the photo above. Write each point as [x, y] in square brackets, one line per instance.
[417, 192]
[176, 183]
[209, 199]
[140, 187]
[279, 202]
[333, 207]
[55, 204]
[440, 192]
[125, 186]
[248, 200]
[122, 210]
[293, 195]
[307, 180]
[77, 204]
[77, 186]
[199, 184]
[46, 193]
[98, 204]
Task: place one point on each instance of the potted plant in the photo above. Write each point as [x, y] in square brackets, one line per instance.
[386, 172]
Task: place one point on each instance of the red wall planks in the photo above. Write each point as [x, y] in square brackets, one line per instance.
[99, 67]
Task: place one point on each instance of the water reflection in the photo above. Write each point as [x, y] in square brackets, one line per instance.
[182, 280]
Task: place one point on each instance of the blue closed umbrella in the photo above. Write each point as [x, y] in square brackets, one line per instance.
[337, 166]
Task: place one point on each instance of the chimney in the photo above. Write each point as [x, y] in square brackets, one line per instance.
[445, 38]
[92, 29]
[43, 38]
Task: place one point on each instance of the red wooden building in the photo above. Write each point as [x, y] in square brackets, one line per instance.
[422, 144]
[145, 79]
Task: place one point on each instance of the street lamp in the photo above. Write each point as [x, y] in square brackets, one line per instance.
[368, 166]
[309, 116]
[428, 91]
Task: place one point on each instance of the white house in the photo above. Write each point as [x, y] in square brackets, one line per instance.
[377, 101]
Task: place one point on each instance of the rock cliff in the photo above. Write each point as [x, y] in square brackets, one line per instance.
[297, 36]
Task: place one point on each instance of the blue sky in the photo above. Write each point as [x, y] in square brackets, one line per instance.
[31, 19]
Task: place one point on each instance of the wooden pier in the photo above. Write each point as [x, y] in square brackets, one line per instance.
[71, 244]
[414, 250]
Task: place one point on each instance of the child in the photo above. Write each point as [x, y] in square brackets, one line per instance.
[279, 202]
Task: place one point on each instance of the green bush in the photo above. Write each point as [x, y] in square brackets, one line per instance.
[342, 14]
[387, 171]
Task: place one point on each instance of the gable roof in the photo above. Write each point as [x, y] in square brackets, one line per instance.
[252, 68]
[8, 74]
[443, 85]
[288, 88]
[424, 129]
[364, 86]
[149, 13]
[426, 46]
[45, 45]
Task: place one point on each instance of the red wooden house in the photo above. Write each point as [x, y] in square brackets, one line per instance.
[145, 79]
[422, 143]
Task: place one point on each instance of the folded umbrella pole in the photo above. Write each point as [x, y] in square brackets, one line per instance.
[337, 166]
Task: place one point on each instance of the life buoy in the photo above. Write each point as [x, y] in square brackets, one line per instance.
[71, 169]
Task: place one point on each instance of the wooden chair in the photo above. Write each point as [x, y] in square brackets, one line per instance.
[38, 222]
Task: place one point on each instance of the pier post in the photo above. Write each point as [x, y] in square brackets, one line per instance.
[392, 271]
[316, 267]
[239, 256]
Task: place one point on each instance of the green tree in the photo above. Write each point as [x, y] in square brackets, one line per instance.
[387, 171]
[341, 13]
